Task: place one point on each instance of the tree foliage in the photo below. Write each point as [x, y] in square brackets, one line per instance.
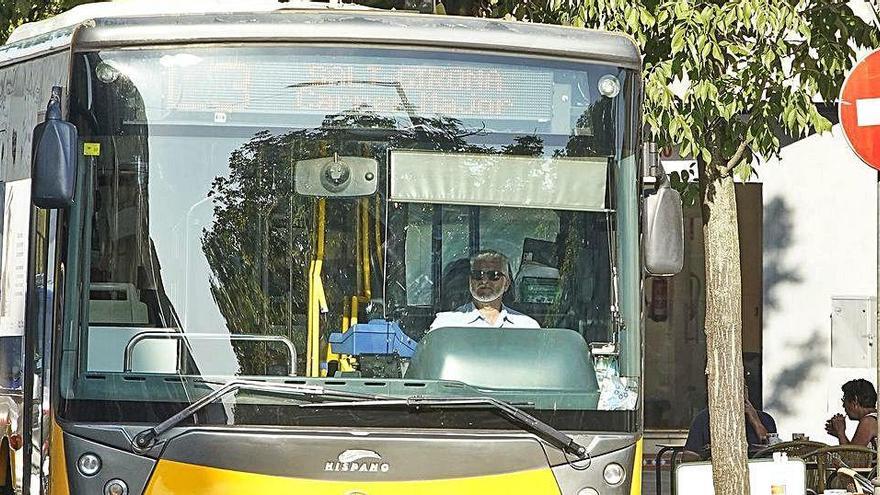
[723, 80]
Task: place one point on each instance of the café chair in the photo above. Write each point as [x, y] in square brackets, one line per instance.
[858, 483]
[829, 459]
[678, 455]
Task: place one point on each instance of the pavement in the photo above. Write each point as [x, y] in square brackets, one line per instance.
[649, 480]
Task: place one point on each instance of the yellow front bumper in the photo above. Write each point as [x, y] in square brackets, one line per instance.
[175, 478]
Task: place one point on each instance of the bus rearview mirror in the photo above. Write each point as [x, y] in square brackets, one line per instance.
[54, 158]
[336, 176]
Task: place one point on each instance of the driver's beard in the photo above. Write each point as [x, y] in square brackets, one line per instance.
[489, 298]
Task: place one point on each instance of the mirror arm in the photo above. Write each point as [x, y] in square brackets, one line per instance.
[653, 174]
[53, 109]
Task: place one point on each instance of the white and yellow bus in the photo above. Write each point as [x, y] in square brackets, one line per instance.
[229, 226]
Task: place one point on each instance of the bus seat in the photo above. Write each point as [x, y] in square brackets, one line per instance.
[454, 290]
[116, 303]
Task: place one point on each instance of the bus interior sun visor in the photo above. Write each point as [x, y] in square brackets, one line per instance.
[499, 180]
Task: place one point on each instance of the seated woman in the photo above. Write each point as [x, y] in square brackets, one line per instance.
[859, 404]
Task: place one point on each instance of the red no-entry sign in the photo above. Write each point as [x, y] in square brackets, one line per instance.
[859, 109]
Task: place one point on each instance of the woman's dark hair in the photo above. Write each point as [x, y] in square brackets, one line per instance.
[861, 391]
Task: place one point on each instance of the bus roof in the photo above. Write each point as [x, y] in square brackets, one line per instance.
[159, 22]
[135, 8]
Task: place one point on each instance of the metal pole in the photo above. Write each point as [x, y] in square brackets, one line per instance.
[877, 301]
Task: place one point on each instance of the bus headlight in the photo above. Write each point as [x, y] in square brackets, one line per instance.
[614, 473]
[116, 487]
[88, 464]
[588, 491]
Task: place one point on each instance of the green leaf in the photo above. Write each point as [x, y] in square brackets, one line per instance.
[674, 128]
[706, 49]
[662, 16]
[820, 123]
[768, 58]
[646, 18]
[716, 53]
[681, 10]
[632, 18]
[677, 41]
[743, 171]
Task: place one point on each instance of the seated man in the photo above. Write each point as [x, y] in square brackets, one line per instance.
[758, 425]
[489, 280]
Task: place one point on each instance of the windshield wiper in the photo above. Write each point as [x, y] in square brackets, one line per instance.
[144, 440]
[512, 413]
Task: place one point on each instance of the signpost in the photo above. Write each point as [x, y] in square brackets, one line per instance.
[859, 111]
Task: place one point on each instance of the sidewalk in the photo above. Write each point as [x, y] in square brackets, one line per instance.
[649, 480]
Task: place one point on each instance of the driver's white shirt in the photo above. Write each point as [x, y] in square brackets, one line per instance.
[469, 316]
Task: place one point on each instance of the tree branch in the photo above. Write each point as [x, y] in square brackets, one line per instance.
[734, 161]
[743, 146]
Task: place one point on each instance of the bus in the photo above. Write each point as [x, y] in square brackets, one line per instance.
[242, 251]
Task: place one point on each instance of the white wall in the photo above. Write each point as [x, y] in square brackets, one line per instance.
[820, 235]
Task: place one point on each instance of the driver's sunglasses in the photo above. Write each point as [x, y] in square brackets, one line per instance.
[493, 275]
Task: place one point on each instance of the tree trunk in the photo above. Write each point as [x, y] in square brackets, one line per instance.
[723, 328]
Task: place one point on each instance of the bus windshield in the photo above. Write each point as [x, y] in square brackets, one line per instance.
[395, 221]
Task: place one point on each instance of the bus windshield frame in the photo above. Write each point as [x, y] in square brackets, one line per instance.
[256, 114]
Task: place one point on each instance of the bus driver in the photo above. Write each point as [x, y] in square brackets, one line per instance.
[488, 281]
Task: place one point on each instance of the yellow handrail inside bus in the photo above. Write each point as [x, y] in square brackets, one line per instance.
[310, 315]
[346, 316]
[317, 297]
[354, 311]
[364, 231]
[378, 232]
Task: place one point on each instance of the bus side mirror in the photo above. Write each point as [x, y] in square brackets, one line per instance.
[663, 231]
[663, 220]
[54, 158]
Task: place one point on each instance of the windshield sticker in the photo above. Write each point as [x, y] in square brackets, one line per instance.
[91, 149]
